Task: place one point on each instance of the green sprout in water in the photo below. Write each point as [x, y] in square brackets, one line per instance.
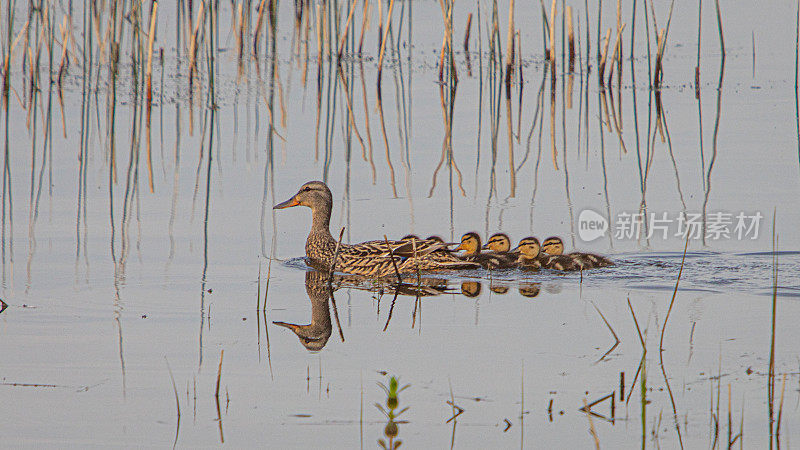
[392, 403]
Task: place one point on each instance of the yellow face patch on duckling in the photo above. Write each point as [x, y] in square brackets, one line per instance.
[498, 242]
[470, 243]
[553, 246]
[529, 248]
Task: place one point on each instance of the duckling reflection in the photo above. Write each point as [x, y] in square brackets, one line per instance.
[498, 288]
[529, 289]
[470, 289]
[315, 335]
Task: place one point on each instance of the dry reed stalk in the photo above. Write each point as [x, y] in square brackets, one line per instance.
[350, 114]
[545, 32]
[615, 56]
[177, 401]
[619, 24]
[10, 57]
[660, 42]
[771, 373]
[193, 43]
[719, 26]
[151, 31]
[380, 25]
[335, 257]
[258, 287]
[447, 42]
[259, 27]
[697, 67]
[510, 43]
[441, 58]
[319, 35]
[602, 65]
[240, 41]
[346, 30]
[467, 32]
[591, 425]
[519, 69]
[219, 373]
[570, 38]
[780, 413]
[364, 21]
[553, 39]
[383, 41]
[391, 256]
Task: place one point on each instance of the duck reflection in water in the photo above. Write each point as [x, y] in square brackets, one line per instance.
[315, 335]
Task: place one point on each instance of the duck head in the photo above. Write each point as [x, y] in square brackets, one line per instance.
[470, 243]
[553, 246]
[528, 248]
[314, 194]
[498, 242]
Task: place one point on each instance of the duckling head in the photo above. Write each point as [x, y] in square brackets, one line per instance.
[553, 246]
[498, 242]
[470, 243]
[435, 238]
[409, 237]
[314, 194]
[528, 248]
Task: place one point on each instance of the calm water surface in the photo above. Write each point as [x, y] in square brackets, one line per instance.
[128, 269]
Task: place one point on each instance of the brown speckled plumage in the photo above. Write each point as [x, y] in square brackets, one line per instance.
[372, 258]
[580, 261]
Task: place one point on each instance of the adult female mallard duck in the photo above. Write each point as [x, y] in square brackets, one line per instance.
[555, 246]
[372, 258]
[471, 244]
[531, 257]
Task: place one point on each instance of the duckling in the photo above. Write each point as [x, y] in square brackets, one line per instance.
[531, 257]
[471, 244]
[372, 258]
[554, 246]
[498, 243]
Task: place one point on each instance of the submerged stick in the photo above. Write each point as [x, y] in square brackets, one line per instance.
[335, 258]
[219, 373]
[391, 255]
